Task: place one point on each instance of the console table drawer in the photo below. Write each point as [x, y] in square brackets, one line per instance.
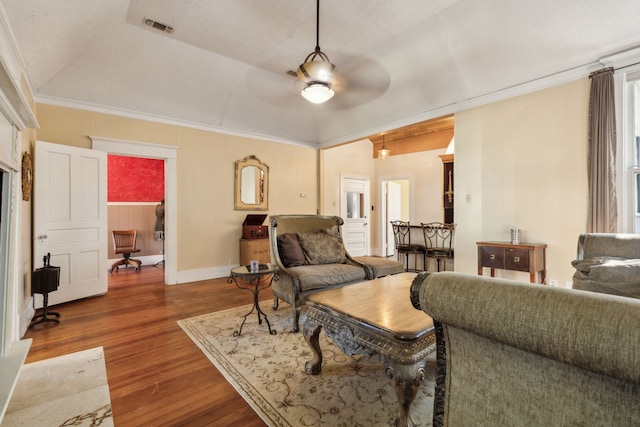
[492, 257]
[517, 260]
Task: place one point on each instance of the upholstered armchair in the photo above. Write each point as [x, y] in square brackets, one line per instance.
[311, 256]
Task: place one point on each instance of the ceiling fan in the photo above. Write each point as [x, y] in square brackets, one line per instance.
[359, 80]
[317, 71]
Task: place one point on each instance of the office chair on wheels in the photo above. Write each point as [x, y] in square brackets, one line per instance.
[124, 242]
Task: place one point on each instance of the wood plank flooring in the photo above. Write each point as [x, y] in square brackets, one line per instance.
[157, 375]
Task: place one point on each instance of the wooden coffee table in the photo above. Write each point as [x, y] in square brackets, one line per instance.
[375, 316]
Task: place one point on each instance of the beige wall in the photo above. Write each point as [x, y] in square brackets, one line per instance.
[522, 162]
[208, 227]
[354, 159]
[423, 169]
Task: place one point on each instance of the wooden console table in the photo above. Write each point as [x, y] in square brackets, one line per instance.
[527, 257]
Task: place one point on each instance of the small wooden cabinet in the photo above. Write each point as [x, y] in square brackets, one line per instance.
[526, 257]
[254, 249]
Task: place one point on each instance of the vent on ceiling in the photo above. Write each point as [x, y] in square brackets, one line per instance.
[158, 25]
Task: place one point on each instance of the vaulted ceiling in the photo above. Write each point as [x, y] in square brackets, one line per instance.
[225, 64]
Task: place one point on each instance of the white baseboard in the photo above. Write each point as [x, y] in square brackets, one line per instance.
[186, 276]
[26, 316]
[146, 260]
[204, 274]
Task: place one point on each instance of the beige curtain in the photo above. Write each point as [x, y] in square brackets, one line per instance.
[603, 212]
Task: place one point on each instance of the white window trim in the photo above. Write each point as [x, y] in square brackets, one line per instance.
[626, 158]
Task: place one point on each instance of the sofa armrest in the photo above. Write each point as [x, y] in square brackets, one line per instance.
[584, 329]
[368, 270]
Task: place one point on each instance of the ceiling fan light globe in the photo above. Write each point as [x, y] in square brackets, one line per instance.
[317, 92]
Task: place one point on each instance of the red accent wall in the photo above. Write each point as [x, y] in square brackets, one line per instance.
[134, 179]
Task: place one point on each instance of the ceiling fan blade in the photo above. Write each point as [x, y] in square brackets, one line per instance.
[275, 89]
[357, 80]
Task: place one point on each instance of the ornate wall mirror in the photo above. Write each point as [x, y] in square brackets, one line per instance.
[252, 185]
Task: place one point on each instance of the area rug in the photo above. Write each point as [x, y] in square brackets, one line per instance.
[69, 390]
[268, 372]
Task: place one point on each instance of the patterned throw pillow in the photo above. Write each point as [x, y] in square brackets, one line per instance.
[290, 250]
[323, 247]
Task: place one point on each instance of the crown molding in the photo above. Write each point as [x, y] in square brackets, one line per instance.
[85, 106]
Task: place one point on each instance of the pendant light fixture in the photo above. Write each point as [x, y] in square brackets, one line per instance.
[384, 152]
[317, 71]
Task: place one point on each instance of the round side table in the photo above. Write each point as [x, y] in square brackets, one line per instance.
[254, 280]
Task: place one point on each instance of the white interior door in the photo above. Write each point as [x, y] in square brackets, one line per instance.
[394, 213]
[70, 219]
[354, 208]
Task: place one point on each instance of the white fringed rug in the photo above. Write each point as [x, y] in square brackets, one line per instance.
[268, 372]
[69, 390]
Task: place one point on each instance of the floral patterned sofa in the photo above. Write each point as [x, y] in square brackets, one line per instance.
[608, 263]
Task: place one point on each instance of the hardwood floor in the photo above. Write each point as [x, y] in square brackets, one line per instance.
[157, 375]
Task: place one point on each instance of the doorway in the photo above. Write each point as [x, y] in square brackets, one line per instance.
[170, 156]
[395, 206]
[136, 190]
[354, 209]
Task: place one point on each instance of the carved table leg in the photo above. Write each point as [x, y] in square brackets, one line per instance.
[311, 331]
[406, 379]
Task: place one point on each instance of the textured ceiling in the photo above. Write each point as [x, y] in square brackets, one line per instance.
[224, 66]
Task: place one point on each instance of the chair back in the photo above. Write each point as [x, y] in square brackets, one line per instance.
[438, 235]
[401, 233]
[124, 241]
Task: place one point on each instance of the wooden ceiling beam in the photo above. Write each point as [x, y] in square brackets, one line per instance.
[413, 144]
[423, 136]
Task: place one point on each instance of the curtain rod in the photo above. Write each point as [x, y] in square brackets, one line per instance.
[601, 71]
[604, 70]
[626, 66]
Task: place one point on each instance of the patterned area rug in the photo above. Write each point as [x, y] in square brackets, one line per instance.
[69, 390]
[268, 371]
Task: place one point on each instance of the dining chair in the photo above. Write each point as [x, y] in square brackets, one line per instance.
[402, 237]
[438, 239]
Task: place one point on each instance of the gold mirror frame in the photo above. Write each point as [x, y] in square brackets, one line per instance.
[251, 193]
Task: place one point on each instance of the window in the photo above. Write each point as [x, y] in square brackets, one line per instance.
[633, 151]
[629, 149]
[636, 170]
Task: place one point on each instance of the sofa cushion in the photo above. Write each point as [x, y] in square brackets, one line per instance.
[609, 269]
[291, 252]
[321, 276]
[322, 247]
[381, 266]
